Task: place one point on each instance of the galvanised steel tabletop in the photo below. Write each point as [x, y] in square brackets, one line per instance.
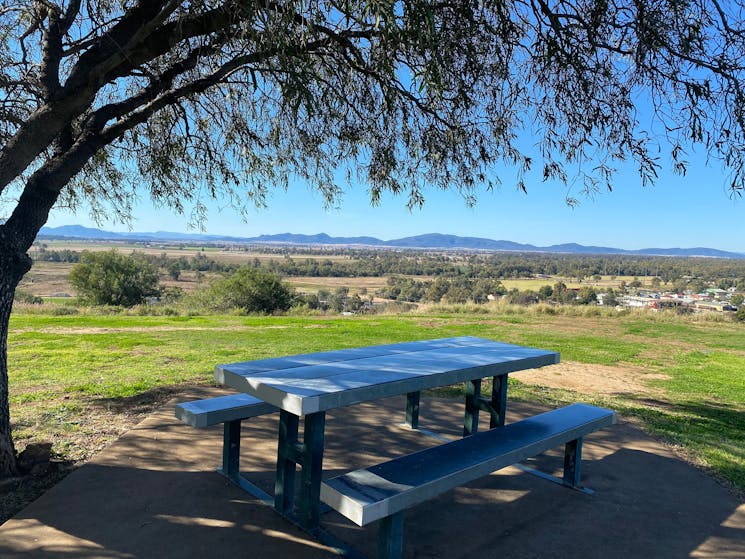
[308, 385]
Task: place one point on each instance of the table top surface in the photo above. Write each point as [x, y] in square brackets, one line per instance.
[303, 384]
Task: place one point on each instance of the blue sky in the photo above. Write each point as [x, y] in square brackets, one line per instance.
[695, 210]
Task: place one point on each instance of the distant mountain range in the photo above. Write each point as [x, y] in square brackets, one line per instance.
[428, 241]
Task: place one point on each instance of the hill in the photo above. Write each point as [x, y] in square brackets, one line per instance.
[432, 241]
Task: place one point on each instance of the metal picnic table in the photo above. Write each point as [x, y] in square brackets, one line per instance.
[306, 386]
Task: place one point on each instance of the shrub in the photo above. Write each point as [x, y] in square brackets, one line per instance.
[64, 311]
[740, 314]
[22, 296]
[110, 278]
[252, 291]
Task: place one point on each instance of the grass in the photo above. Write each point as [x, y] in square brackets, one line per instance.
[72, 376]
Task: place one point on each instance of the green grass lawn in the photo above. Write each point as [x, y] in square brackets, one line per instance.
[68, 372]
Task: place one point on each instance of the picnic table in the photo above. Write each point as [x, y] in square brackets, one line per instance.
[306, 386]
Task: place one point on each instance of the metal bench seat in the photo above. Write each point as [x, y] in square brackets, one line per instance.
[384, 491]
[223, 409]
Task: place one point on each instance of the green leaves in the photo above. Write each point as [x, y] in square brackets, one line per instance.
[250, 290]
[230, 100]
[110, 278]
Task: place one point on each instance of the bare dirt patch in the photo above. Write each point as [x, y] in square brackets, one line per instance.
[591, 379]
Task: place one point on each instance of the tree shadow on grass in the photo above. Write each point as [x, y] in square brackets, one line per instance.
[693, 423]
[148, 400]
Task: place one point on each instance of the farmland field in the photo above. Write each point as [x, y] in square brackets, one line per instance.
[239, 253]
[50, 279]
[80, 380]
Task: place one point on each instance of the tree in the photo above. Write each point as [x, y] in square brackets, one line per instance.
[586, 296]
[337, 301]
[610, 299]
[252, 290]
[545, 292]
[740, 314]
[311, 300]
[102, 102]
[437, 290]
[174, 270]
[110, 278]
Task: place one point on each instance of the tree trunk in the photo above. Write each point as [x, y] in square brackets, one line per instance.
[17, 235]
[13, 266]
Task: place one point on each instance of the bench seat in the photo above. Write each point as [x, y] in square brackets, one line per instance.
[385, 490]
[213, 411]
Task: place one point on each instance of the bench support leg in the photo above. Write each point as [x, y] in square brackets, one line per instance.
[231, 453]
[231, 450]
[412, 410]
[391, 536]
[572, 462]
[284, 485]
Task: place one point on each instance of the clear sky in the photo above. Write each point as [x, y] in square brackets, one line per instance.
[691, 211]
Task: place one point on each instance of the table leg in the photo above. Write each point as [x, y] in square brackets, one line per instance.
[391, 536]
[498, 401]
[412, 410]
[473, 397]
[495, 407]
[284, 485]
[312, 469]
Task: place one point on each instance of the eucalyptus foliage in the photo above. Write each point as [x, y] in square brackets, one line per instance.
[104, 101]
[186, 100]
[249, 290]
[111, 278]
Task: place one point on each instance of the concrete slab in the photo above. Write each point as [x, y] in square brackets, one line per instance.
[154, 493]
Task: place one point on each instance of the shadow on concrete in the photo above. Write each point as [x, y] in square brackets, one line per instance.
[514, 514]
[127, 512]
[154, 494]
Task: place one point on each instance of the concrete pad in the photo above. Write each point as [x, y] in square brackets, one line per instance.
[154, 493]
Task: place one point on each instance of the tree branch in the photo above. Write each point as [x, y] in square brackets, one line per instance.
[72, 99]
[137, 39]
[68, 18]
[158, 84]
[51, 55]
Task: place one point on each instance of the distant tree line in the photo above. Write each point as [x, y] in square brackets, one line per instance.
[723, 273]
[503, 265]
[469, 290]
[112, 278]
[560, 294]
[64, 255]
[453, 290]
